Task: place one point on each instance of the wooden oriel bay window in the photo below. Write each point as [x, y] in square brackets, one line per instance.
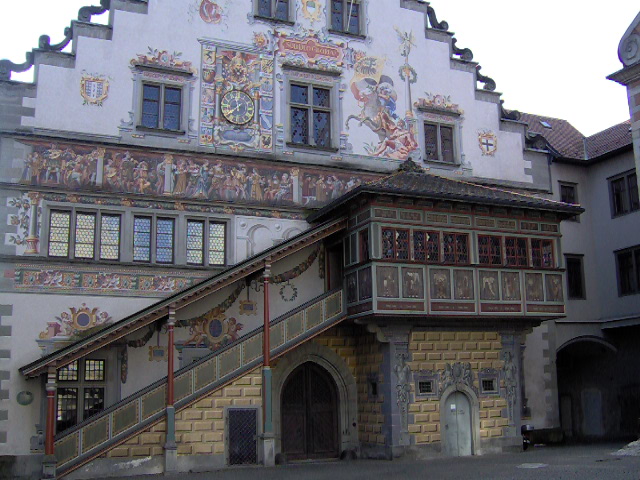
[516, 252]
[490, 250]
[395, 244]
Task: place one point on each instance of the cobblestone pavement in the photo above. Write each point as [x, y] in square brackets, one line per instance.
[580, 462]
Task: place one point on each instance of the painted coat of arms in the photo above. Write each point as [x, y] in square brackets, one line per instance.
[94, 89]
[488, 142]
[312, 10]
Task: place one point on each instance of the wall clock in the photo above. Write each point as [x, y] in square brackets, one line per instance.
[237, 107]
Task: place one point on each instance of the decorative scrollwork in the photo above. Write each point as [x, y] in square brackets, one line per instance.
[509, 114]
[44, 42]
[464, 53]
[489, 83]
[629, 51]
[433, 20]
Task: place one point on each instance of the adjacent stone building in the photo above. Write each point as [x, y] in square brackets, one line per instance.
[274, 230]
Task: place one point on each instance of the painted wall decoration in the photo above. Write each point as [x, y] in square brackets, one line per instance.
[440, 281]
[412, 283]
[106, 281]
[162, 58]
[211, 12]
[94, 89]
[26, 221]
[53, 164]
[387, 282]
[441, 103]
[533, 282]
[74, 321]
[306, 47]
[377, 97]
[463, 284]
[186, 176]
[489, 285]
[312, 10]
[511, 286]
[554, 288]
[247, 76]
[488, 143]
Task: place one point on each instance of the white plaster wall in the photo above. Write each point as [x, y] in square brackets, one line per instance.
[176, 27]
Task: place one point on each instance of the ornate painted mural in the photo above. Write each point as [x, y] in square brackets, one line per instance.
[183, 176]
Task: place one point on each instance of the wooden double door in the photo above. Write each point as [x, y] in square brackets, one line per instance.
[309, 414]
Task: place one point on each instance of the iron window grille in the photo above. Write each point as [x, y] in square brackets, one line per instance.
[310, 116]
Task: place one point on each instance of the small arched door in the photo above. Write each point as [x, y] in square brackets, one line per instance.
[309, 414]
[457, 425]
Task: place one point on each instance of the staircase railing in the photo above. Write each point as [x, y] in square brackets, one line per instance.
[80, 444]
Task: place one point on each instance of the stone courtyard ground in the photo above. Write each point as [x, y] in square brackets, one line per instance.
[575, 462]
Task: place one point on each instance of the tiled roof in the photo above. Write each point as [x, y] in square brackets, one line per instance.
[570, 143]
[410, 180]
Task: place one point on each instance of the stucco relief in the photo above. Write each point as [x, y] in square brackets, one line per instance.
[71, 325]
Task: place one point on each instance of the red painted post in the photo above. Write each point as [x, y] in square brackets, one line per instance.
[51, 412]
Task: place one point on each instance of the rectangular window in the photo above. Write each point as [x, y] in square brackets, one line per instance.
[142, 239]
[624, 194]
[59, 232]
[425, 387]
[575, 277]
[94, 370]
[275, 9]
[195, 242]
[345, 16]
[628, 262]
[85, 235]
[395, 244]
[310, 115]
[67, 408]
[164, 240]
[455, 248]
[489, 385]
[569, 194]
[93, 401]
[217, 244]
[68, 373]
[542, 253]
[516, 250]
[489, 250]
[161, 107]
[426, 247]
[110, 237]
[439, 142]
[364, 245]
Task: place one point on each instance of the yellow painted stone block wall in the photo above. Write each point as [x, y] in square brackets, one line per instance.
[200, 426]
[432, 351]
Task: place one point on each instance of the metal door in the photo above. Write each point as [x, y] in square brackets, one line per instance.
[309, 414]
[457, 425]
[242, 433]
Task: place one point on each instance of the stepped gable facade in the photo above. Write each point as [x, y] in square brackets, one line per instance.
[262, 231]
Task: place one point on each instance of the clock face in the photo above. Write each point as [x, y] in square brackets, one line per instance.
[237, 107]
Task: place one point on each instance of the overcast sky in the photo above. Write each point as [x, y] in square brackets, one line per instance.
[549, 57]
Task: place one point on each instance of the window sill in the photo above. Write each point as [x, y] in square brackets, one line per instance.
[359, 36]
[274, 20]
[442, 163]
[312, 148]
[624, 214]
[161, 131]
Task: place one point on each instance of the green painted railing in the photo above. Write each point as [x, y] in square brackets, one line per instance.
[105, 430]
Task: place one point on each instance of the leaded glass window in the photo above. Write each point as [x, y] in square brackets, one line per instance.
[426, 246]
[164, 240]
[395, 244]
[489, 250]
[85, 235]
[110, 237]
[455, 248]
[142, 239]
[161, 107]
[68, 373]
[542, 253]
[67, 408]
[439, 142]
[94, 370]
[195, 242]
[216, 244]
[516, 250]
[310, 115]
[388, 243]
[345, 16]
[59, 231]
[93, 401]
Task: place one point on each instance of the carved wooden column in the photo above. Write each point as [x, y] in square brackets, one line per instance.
[268, 453]
[170, 447]
[49, 462]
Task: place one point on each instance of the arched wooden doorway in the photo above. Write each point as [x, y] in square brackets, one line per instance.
[309, 414]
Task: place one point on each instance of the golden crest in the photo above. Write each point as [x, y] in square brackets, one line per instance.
[248, 307]
[488, 142]
[94, 89]
[312, 10]
[83, 318]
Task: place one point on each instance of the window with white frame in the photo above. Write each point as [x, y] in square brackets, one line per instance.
[310, 116]
[277, 10]
[89, 235]
[347, 17]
